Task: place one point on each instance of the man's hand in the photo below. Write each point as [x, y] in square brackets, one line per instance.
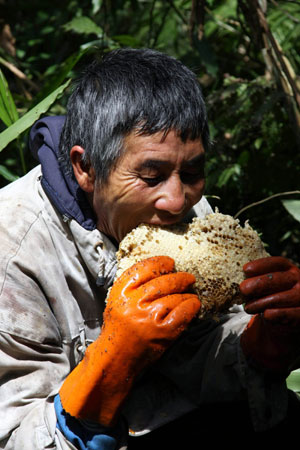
[148, 305]
[272, 293]
[147, 309]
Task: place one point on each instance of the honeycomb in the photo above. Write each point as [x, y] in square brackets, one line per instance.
[214, 249]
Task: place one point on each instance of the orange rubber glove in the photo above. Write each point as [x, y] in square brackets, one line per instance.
[272, 293]
[146, 311]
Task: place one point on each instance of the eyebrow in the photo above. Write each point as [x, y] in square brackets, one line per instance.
[157, 163]
[199, 160]
[152, 164]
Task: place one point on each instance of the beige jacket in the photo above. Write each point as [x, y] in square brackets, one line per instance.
[51, 309]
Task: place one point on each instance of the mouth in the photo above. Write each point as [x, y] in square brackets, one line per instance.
[166, 221]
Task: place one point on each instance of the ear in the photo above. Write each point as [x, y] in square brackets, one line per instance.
[84, 174]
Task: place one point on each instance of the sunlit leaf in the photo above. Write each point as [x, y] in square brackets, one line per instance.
[293, 207]
[83, 25]
[7, 174]
[293, 381]
[8, 110]
[127, 40]
[257, 143]
[96, 6]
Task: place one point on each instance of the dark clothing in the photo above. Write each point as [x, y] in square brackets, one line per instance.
[219, 424]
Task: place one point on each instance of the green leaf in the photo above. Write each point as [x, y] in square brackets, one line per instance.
[96, 6]
[61, 72]
[286, 236]
[244, 158]
[12, 132]
[207, 56]
[293, 381]
[293, 207]
[257, 143]
[8, 110]
[127, 40]
[83, 25]
[7, 174]
[228, 173]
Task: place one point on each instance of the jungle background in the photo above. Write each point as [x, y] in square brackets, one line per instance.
[246, 54]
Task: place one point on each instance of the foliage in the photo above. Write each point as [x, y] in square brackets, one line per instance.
[17, 126]
[293, 381]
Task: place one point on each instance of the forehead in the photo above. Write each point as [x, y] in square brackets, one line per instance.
[167, 148]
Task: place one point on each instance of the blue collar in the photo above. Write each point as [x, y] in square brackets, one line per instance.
[63, 191]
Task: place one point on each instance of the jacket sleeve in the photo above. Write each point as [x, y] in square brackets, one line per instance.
[37, 341]
[30, 414]
[30, 376]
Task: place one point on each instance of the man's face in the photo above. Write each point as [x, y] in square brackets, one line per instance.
[156, 181]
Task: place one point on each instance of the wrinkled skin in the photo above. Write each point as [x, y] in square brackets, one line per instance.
[147, 309]
[272, 293]
[158, 178]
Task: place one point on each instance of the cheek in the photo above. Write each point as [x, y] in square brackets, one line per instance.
[122, 190]
[196, 190]
[142, 200]
[137, 192]
[134, 200]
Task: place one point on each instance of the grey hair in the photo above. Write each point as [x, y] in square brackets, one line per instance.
[138, 90]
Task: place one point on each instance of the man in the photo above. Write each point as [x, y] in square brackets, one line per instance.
[130, 150]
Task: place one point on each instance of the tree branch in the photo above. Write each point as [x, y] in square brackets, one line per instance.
[265, 200]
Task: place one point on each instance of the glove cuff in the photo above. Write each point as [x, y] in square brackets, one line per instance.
[264, 348]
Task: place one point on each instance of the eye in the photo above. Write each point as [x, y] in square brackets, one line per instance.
[192, 177]
[152, 181]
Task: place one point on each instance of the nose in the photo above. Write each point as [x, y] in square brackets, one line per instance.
[172, 196]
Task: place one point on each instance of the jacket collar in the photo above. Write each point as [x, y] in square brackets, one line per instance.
[63, 190]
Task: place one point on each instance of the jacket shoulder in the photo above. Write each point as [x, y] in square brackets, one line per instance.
[24, 244]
